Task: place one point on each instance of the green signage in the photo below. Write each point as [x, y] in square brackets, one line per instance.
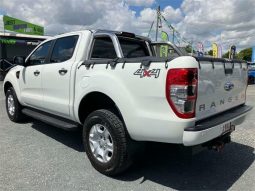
[19, 26]
[8, 41]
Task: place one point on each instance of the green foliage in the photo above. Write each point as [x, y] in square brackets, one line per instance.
[226, 55]
[245, 54]
[210, 52]
[188, 49]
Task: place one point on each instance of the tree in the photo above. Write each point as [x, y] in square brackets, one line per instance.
[245, 54]
[210, 52]
[226, 55]
[188, 49]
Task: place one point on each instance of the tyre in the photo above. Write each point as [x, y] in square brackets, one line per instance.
[107, 143]
[13, 106]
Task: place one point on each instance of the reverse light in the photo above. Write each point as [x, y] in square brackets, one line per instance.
[181, 91]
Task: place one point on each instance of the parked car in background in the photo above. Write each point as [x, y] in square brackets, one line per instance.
[251, 72]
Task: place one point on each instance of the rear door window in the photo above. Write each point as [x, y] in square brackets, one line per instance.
[63, 49]
[133, 48]
[103, 48]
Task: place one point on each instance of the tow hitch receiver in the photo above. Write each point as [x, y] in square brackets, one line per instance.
[218, 143]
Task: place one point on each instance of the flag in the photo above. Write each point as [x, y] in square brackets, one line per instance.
[164, 36]
[200, 47]
[232, 52]
[163, 51]
[219, 51]
[215, 50]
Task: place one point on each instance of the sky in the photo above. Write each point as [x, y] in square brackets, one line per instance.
[225, 22]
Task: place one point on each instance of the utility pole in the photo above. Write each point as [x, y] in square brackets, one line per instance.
[192, 48]
[158, 11]
[150, 28]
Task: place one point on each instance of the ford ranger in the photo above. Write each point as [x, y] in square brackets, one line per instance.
[113, 86]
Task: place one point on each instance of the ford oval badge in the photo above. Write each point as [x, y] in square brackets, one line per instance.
[228, 86]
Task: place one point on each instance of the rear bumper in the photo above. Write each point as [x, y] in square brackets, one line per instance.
[206, 130]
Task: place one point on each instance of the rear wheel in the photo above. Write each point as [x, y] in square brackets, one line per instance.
[13, 106]
[107, 143]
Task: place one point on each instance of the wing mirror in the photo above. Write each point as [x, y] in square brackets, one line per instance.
[19, 60]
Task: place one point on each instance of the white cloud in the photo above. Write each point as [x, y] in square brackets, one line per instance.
[145, 3]
[226, 21]
[66, 15]
[147, 15]
[171, 14]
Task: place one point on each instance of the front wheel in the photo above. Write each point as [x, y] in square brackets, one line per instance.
[107, 143]
[13, 106]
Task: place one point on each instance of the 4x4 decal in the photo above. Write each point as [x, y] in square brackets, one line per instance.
[147, 73]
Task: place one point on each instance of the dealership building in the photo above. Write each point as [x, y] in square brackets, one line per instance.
[17, 38]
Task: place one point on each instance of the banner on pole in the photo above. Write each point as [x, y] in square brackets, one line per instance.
[232, 52]
[219, 51]
[163, 52]
[215, 50]
[200, 47]
[164, 36]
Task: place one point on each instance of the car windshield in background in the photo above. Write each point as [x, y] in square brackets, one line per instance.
[133, 48]
[251, 66]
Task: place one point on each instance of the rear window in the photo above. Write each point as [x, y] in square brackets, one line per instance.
[251, 66]
[103, 48]
[133, 48]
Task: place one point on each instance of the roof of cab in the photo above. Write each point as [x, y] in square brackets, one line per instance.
[98, 31]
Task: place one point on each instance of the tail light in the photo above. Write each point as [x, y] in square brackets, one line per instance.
[181, 91]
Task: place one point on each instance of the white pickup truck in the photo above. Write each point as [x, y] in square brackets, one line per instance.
[113, 86]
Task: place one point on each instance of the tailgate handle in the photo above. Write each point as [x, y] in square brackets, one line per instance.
[228, 70]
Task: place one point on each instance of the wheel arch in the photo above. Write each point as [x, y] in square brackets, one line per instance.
[97, 100]
[7, 85]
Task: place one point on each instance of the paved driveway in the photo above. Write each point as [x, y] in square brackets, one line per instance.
[35, 156]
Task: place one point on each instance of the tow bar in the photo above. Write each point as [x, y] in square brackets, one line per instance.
[219, 143]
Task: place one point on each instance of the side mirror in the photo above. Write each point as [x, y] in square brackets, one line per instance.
[19, 60]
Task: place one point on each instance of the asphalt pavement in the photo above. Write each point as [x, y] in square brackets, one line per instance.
[36, 156]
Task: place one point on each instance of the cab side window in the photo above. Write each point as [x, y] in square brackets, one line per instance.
[103, 48]
[63, 49]
[40, 54]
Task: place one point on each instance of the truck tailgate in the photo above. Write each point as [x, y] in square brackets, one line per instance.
[221, 86]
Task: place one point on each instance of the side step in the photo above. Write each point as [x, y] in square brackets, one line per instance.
[51, 119]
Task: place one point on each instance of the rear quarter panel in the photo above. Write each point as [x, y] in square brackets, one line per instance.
[140, 98]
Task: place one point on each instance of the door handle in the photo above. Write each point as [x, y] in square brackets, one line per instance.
[63, 71]
[36, 73]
